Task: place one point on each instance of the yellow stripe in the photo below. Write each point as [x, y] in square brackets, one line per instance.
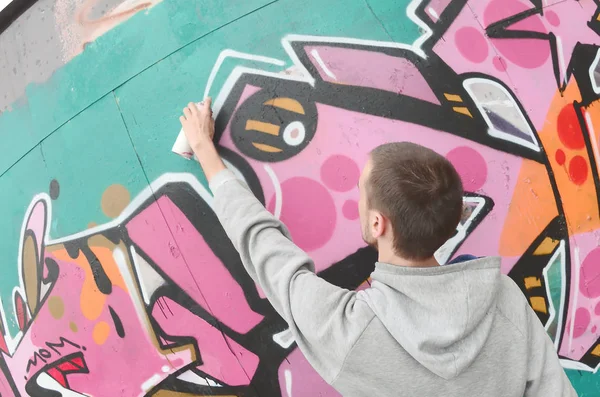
[453, 97]
[546, 247]
[538, 304]
[286, 103]
[267, 128]
[463, 110]
[266, 148]
[532, 282]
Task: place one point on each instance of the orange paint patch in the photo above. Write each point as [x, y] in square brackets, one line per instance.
[101, 332]
[532, 282]
[538, 304]
[532, 207]
[92, 301]
[562, 139]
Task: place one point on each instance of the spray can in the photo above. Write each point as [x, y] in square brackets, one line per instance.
[181, 145]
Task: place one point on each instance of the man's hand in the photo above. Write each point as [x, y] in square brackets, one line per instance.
[198, 125]
[199, 128]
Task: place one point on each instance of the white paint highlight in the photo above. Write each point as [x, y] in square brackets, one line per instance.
[433, 13]
[228, 53]
[559, 253]
[277, 188]
[288, 382]
[322, 64]
[443, 253]
[149, 279]
[284, 338]
[492, 131]
[592, 73]
[561, 59]
[150, 383]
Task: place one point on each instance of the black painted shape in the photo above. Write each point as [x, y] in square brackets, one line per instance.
[117, 322]
[530, 265]
[13, 11]
[54, 189]
[581, 61]
[254, 109]
[353, 270]
[100, 278]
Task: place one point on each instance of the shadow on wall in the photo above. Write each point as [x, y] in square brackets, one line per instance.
[528, 163]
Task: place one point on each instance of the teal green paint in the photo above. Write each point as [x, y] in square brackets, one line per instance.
[555, 282]
[107, 63]
[153, 123]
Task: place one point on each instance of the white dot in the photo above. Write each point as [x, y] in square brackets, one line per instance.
[296, 140]
[166, 368]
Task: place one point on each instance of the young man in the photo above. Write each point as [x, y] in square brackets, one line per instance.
[421, 329]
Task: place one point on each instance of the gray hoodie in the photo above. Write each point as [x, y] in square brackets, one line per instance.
[456, 330]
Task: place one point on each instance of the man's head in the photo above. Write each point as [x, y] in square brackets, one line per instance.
[410, 200]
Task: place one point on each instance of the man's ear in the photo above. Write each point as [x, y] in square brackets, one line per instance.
[379, 224]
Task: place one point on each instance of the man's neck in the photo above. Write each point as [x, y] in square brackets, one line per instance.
[394, 259]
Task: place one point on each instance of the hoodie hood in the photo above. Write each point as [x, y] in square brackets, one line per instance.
[442, 316]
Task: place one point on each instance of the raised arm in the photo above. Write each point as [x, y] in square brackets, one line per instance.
[325, 320]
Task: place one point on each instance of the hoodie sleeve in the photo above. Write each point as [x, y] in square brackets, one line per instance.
[324, 319]
[545, 377]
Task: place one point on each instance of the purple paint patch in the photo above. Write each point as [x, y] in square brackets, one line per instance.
[308, 211]
[471, 167]
[340, 173]
[370, 69]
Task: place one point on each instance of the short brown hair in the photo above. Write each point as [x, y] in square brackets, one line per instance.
[421, 194]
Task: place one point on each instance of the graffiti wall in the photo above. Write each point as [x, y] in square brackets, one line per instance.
[116, 276]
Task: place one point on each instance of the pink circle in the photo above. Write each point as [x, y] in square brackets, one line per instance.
[499, 64]
[597, 309]
[470, 165]
[524, 52]
[308, 211]
[340, 173]
[582, 321]
[589, 280]
[552, 18]
[471, 44]
[350, 210]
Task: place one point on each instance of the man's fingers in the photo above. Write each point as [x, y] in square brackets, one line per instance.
[182, 119]
[207, 104]
[187, 112]
[193, 108]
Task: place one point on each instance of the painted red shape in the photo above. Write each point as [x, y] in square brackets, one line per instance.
[471, 44]
[58, 376]
[78, 361]
[350, 210]
[340, 173]
[589, 280]
[560, 156]
[3, 345]
[308, 211]
[470, 165]
[526, 53]
[578, 170]
[68, 366]
[569, 129]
